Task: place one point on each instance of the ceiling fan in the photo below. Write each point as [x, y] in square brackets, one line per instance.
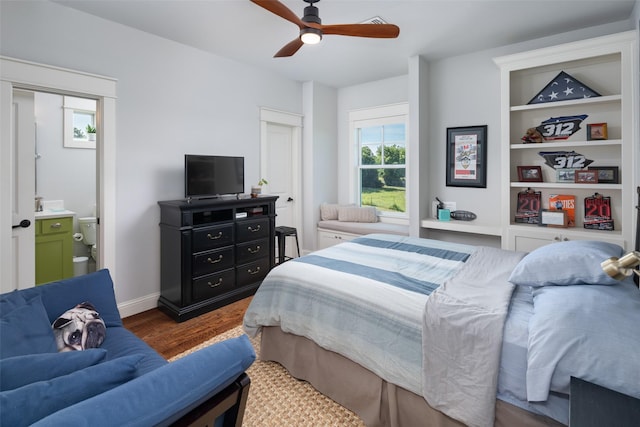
[312, 29]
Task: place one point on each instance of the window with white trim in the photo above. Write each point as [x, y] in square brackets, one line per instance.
[379, 141]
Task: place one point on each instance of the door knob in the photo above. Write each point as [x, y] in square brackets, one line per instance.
[24, 224]
[289, 199]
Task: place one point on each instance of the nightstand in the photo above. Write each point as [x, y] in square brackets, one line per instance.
[596, 406]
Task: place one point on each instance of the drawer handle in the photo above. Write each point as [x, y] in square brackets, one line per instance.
[256, 271]
[210, 237]
[56, 225]
[253, 230]
[214, 261]
[254, 251]
[215, 285]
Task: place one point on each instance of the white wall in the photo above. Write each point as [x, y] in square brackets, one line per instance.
[172, 99]
[320, 144]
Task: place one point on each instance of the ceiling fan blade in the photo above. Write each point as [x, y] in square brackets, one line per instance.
[274, 6]
[289, 49]
[383, 31]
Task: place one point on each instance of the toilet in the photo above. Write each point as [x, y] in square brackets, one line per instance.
[87, 227]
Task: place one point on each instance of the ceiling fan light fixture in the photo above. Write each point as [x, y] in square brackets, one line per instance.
[310, 35]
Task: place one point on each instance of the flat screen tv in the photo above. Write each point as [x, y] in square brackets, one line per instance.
[211, 176]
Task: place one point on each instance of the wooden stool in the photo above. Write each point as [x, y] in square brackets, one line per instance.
[281, 233]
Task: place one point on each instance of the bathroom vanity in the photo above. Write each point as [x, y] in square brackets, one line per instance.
[54, 246]
[213, 252]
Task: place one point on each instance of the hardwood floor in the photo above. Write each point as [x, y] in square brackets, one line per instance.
[170, 338]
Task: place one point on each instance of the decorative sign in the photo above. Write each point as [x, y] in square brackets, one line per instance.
[467, 156]
[566, 203]
[528, 207]
[563, 88]
[565, 159]
[597, 213]
[560, 128]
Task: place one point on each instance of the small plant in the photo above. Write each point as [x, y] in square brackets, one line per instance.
[262, 182]
[90, 129]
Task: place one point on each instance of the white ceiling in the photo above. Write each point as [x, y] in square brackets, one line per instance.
[243, 31]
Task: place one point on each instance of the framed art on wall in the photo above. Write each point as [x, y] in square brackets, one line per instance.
[467, 156]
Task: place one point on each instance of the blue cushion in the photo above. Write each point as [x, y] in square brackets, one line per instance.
[22, 370]
[164, 395]
[575, 262]
[10, 301]
[26, 405]
[122, 342]
[26, 330]
[96, 287]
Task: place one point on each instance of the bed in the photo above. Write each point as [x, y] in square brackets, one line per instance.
[407, 331]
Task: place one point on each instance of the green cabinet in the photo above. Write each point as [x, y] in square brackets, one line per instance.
[54, 249]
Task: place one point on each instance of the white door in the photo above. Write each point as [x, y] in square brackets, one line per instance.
[23, 190]
[280, 166]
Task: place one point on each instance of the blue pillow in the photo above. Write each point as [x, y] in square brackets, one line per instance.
[96, 287]
[22, 370]
[26, 330]
[575, 262]
[26, 405]
[10, 301]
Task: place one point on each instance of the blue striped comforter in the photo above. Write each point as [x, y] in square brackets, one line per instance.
[363, 299]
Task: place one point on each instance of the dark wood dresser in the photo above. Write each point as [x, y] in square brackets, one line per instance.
[213, 252]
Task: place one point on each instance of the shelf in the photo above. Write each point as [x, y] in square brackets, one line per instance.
[461, 227]
[566, 186]
[583, 233]
[607, 64]
[572, 102]
[546, 146]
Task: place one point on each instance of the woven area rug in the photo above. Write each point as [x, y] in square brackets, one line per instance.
[277, 399]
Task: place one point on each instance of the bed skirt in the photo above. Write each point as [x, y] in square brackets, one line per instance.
[376, 402]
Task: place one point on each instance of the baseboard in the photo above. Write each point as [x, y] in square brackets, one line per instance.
[138, 305]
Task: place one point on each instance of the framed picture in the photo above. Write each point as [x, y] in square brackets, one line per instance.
[529, 174]
[586, 176]
[467, 156]
[606, 174]
[565, 175]
[596, 131]
[553, 218]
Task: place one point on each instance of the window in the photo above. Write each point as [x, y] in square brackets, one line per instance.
[379, 140]
[78, 114]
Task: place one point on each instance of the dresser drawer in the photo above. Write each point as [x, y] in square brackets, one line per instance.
[213, 285]
[252, 272]
[206, 238]
[56, 225]
[212, 261]
[252, 251]
[252, 230]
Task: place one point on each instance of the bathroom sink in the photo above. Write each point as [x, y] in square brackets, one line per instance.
[54, 214]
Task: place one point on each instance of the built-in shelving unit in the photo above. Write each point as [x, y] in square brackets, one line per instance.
[606, 65]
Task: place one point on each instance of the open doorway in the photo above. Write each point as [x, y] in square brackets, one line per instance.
[17, 207]
[65, 186]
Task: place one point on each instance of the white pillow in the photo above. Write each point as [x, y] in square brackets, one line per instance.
[357, 214]
[328, 211]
